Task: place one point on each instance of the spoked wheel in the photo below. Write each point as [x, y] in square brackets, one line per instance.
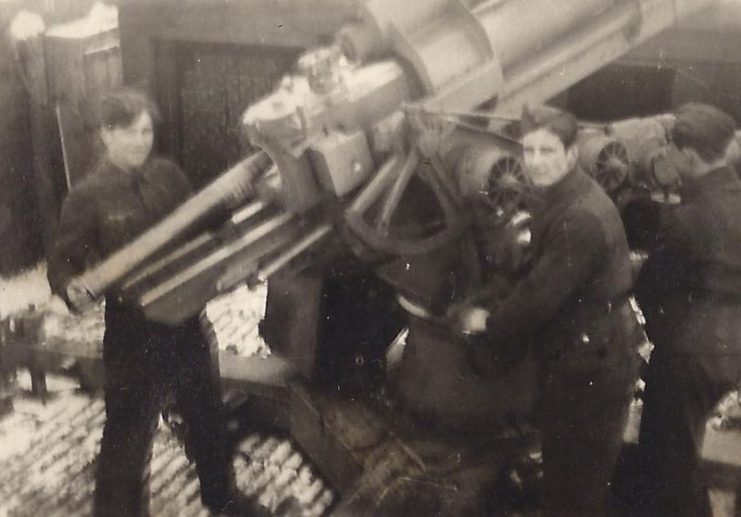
[606, 160]
[612, 166]
[507, 185]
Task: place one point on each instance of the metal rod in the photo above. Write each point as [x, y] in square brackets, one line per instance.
[181, 251]
[380, 182]
[297, 249]
[251, 210]
[218, 255]
[248, 212]
[397, 190]
[228, 190]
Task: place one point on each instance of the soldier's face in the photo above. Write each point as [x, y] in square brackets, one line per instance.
[129, 146]
[546, 159]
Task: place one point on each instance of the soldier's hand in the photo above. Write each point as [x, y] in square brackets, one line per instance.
[473, 321]
[511, 244]
[79, 297]
[468, 319]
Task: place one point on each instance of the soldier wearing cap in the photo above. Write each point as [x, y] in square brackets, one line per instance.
[573, 300]
[690, 291]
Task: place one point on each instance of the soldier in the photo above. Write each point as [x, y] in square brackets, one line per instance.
[574, 300]
[145, 363]
[690, 291]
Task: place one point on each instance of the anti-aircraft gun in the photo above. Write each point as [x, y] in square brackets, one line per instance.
[338, 132]
[367, 155]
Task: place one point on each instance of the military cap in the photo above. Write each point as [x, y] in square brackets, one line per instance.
[560, 123]
[704, 128]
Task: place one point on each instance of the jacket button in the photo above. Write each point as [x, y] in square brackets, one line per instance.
[585, 338]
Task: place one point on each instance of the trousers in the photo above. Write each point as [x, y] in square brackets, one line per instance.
[582, 417]
[146, 366]
[681, 391]
[697, 360]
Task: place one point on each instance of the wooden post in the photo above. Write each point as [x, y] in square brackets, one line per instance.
[7, 369]
[47, 195]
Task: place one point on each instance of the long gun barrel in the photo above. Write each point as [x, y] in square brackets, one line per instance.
[323, 123]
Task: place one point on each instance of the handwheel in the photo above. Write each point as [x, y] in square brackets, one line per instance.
[385, 192]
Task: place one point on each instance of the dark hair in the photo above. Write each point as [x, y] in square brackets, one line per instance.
[560, 123]
[119, 108]
[704, 128]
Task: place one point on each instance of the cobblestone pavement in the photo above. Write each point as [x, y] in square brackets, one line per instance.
[48, 451]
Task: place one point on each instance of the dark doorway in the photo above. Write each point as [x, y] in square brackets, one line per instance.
[204, 88]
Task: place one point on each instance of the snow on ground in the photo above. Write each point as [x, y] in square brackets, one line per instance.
[234, 318]
[48, 449]
[29, 288]
[48, 456]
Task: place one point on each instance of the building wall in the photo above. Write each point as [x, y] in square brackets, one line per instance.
[701, 57]
[217, 83]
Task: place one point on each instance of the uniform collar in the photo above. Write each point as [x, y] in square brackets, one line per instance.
[143, 173]
[716, 181]
[570, 184]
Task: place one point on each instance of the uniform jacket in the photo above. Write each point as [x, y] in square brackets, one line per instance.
[107, 210]
[573, 298]
[104, 212]
[690, 287]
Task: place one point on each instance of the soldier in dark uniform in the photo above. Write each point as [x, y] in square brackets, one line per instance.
[145, 363]
[442, 379]
[574, 300]
[690, 291]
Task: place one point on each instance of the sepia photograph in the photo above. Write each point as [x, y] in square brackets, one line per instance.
[370, 258]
